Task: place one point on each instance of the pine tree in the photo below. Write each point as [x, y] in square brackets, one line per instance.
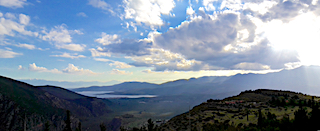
[150, 125]
[79, 127]
[68, 122]
[103, 127]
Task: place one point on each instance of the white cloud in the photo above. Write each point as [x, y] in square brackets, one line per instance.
[10, 15]
[72, 47]
[58, 34]
[261, 8]
[35, 68]
[251, 66]
[27, 46]
[62, 38]
[71, 69]
[8, 26]
[96, 53]
[13, 3]
[82, 14]
[208, 5]
[75, 70]
[190, 11]
[162, 59]
[71, 56]
[108, 39]
[8, 54]
[20, 67]
[117, 64]
[103, 59]
[101, 4]
[148, 11]
[24, 19]
[120, 72]
[120, 65]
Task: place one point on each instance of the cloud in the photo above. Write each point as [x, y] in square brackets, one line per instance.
[20, 67]
[62, 38]
[8, 54]
[162, 60]
[120, 72]
[103, 60]
[101, 4]
[10, 16]
[9, 26]
[190, 11]
[58, 34]
[284, 11]
[71, 69]
[24, 19]
[27, 46]
[129, 47]
[35, 68]
[117, 64]
[226, 40]
[120, 65]
[82, 14]
[13, 3]
[108, 39]
[148, 12]
[251, 66]
[72, 47]
[97, 53]
[68, 55]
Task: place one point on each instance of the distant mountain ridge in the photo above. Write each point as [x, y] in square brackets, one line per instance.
[304, 78]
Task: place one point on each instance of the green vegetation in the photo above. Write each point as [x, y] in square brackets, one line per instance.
[265, 110]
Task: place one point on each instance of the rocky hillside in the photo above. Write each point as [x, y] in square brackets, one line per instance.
[24, 106]
[243, 111]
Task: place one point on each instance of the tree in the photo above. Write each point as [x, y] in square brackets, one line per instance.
[260, 119]
[103, 127]
[315, 118]
[47, 126]
[68, 122]
[150, 125]
[79, 127]
[301, 119]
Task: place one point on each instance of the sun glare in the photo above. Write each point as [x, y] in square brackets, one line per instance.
[301, 34]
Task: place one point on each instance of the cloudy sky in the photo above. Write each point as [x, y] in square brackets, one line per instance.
[155, 40]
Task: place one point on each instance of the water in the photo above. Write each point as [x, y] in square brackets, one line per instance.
[108, 94]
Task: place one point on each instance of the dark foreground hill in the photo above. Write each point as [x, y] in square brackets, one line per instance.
[252, 110]
[24, 106]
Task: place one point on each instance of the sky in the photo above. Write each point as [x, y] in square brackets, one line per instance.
[155, 40]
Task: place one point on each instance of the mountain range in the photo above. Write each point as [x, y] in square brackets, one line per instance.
[303, 79]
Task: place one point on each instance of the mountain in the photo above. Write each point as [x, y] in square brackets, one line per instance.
[33, 107]
[67, 84]
[119, 87]
[303, 79]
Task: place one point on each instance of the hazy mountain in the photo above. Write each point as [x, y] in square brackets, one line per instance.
[120, 87]
[66, 84]
[304, 78]
[33, 106]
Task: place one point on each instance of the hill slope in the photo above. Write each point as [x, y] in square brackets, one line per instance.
[22, 102]
[242, 111]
